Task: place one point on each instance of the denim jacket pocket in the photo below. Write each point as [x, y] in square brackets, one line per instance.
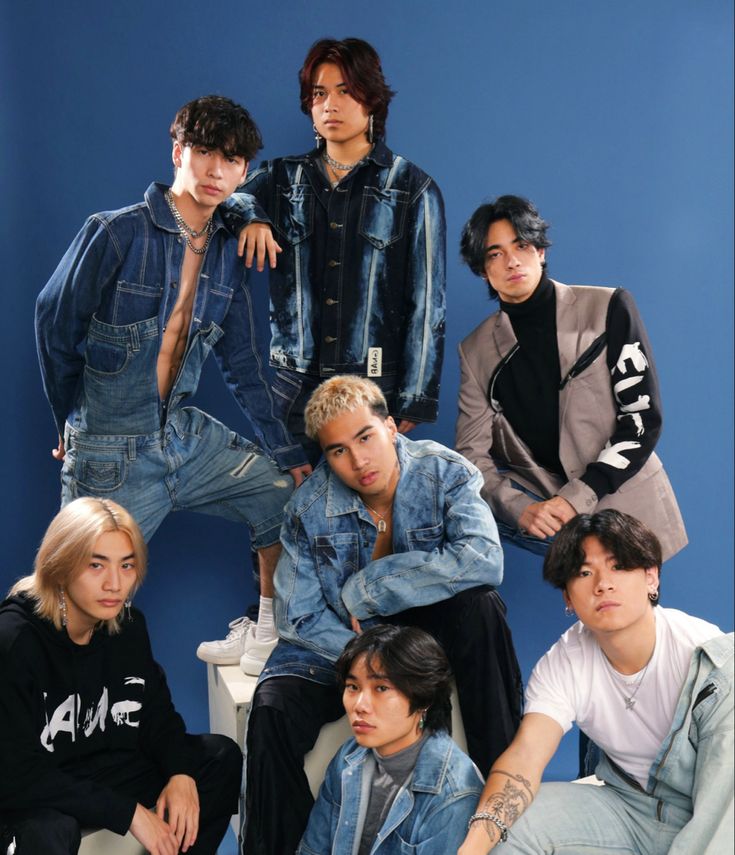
[337, 558]
[425, 539]
[132, 302]
[383, 215]
[294, 212]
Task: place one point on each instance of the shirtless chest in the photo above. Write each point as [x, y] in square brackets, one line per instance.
[176, 331]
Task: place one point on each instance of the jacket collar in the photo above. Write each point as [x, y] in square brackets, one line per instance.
[431, 766]
[160, 212]
[381, 155]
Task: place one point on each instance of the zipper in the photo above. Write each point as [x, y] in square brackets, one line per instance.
[494, 376]
[586, 359]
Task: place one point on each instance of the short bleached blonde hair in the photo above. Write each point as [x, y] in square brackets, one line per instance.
[343, 393]
[67, 547]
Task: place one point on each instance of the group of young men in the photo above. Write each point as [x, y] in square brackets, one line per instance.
[559, 414]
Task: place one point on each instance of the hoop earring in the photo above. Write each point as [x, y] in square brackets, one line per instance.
[568, 611]
[370, 129]
[653, 597]
[62, 606]
[318, 138]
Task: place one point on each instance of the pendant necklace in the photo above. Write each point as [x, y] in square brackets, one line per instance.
[620, 682]
[381, 524]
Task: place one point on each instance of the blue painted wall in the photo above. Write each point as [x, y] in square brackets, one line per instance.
[615, 117]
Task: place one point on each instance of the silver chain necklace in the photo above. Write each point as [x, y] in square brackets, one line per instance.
[382, 525]
[620, 682]
[342, 167]
[187, 231]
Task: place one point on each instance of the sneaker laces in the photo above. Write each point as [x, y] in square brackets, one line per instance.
[238, 628]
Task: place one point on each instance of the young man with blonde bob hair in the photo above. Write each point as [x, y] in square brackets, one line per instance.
[89, 737]
[386, 529]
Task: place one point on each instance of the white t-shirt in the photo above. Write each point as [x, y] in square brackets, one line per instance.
[574, 681]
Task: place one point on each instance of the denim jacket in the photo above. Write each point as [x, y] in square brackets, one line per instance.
[429, 813]
[100, 319]
[444, 541]
[359, 287]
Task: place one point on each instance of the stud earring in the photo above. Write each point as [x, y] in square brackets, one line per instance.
[568, 611]
[317, 136]
[62, 606]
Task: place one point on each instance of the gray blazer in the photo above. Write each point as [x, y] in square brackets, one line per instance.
[587, 416]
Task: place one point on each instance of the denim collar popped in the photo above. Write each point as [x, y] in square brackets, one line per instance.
[160, 212]
[431, 766]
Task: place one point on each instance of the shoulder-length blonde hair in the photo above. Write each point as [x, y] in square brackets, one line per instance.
[67, 547]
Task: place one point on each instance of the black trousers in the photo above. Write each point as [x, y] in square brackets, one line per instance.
[218, 778]
[287, 714]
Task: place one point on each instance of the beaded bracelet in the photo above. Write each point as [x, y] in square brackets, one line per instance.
[502, 827]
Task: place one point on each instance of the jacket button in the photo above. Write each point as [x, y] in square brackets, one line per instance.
[329, 339]
[330, 302]
[333, 263]
[174, 284]
[335, 225]
[311, 671]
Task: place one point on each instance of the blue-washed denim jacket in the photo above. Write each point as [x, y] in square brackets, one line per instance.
[444, 541]
[100, 319]
[428, 816]
[362, 267]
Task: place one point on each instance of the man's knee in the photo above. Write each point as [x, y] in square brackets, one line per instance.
[45, 830]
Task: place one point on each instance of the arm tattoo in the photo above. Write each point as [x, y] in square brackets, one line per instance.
[509, 803]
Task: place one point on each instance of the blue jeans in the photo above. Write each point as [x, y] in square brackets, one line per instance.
[615, 819]
[193, 463]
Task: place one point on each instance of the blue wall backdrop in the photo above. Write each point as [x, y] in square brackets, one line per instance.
[615, 117]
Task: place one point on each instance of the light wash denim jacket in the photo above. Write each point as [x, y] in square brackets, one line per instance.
[363, 266]
[428, 816]
[100, 319]
[444, 541]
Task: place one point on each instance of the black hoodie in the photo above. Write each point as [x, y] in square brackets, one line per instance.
[70, 712]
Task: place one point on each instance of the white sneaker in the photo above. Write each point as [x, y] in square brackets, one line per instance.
[256, 654]
[229, 651]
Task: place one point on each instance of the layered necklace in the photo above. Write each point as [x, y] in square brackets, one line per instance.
[187, 231]
[336, 166]
[624, 687]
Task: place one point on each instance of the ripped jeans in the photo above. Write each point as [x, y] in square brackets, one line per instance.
[193, 463]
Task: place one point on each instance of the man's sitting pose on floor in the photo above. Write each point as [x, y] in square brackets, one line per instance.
[652, 687]
[386, 529]
[124, 326]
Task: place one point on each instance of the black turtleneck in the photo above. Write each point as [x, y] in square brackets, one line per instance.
[528, 386]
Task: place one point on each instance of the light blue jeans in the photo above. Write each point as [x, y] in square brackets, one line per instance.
[193, 463]
[584, 819]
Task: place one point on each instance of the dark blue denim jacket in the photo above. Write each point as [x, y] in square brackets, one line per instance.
[363, 267]
[429, 813]
[100, 319]
[444, 541]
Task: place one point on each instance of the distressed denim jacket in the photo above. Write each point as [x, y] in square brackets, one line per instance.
[100, 319]
[444, 541]
[359, 287]
[429, 813]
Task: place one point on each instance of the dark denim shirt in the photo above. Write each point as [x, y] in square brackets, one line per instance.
[444, 541]
[428, 815]
[362, 268]
[100, 319]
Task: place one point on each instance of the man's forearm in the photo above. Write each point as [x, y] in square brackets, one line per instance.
[505, 797]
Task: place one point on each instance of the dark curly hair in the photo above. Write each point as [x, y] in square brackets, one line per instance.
[360, 65]
[217, 123]
[413, 661]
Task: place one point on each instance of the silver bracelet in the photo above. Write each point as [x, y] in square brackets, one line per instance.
[496, 820]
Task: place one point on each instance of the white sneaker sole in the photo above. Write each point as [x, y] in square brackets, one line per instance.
[218, 658]
[251, 666]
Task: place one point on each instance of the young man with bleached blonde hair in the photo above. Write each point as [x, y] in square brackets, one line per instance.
[386, 529]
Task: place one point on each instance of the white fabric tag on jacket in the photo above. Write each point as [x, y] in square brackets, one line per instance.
[375, 362]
